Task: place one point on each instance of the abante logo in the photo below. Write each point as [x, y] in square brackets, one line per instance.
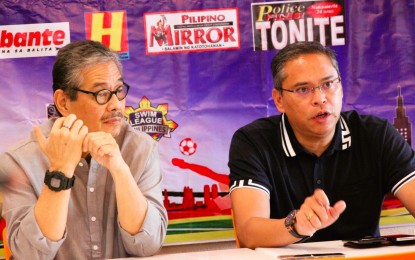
[35, 39]
[32, 40]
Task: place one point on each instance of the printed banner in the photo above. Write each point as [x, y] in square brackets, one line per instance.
[276, 24]
[213, 77]
[172, 32]
[33, 40]
[110, 28]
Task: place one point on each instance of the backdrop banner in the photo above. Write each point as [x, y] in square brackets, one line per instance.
[198, 71]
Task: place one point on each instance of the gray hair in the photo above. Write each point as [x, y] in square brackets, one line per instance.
[293, 51]
[75, 57]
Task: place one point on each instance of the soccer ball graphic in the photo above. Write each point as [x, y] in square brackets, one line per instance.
[188, 146]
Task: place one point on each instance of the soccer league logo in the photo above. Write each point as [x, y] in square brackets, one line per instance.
[150, 120]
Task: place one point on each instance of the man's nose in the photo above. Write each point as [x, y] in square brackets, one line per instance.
[114, 102]
[314, 89]
[319, 97]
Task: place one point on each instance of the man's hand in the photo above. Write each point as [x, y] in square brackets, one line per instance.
[316, 213]
[63, 147]
[104, 149]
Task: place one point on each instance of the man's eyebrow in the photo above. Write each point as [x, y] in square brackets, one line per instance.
[105, 84]
[328, 78]
[300, 84]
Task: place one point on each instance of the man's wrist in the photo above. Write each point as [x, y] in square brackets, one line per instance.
[289, 222]
[57, 181]
[68, 171]
[120, 169]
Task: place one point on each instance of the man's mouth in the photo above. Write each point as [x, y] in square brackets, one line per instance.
[322, 115]
[112, 119]
[114, 116]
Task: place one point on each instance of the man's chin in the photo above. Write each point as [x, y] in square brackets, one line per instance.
[113, 130]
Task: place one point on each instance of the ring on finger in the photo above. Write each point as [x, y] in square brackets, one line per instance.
[66, 126]
[309, 216]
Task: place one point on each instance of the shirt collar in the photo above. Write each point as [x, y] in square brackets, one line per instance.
[342, 139]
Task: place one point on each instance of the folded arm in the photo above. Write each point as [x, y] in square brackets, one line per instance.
[141, 214]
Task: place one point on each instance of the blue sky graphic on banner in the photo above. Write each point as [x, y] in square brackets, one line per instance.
[193, 100]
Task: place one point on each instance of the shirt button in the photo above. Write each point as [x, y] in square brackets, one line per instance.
[91, 189]
[318, 181]
[81, 164]
[95, 247]
[93, 218]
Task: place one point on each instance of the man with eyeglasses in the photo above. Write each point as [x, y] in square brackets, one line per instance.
[87, 185]
[314, 173]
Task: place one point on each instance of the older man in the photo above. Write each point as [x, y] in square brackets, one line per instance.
[86, 185]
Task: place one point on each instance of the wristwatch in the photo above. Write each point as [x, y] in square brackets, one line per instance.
[289, 224]
[57, 181]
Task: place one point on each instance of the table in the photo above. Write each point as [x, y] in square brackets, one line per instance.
[387, 252]
[379, 253]
[225, 254]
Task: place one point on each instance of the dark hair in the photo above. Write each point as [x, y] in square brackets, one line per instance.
[75, 57]
[291, 52]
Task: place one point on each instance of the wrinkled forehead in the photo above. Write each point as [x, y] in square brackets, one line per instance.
[306, 66]
[101, 74]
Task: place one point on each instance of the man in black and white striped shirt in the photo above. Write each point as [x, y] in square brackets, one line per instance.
[314, 173]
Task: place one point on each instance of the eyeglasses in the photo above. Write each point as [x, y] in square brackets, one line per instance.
[326, 87]
[103, 96]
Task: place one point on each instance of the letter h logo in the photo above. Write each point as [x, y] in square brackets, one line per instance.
[110, 28]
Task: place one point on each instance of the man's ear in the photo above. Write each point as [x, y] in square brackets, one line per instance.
[277, 96]
[62, 102]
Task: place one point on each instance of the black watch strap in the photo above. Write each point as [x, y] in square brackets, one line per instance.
[290, 220]
[57, 181]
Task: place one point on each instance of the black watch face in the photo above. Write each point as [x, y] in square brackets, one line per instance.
[55, 182]
[289, 221]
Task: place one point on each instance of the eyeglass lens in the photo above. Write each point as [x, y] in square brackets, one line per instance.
[105, 95]
[325, 87]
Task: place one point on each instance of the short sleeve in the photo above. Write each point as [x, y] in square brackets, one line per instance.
[399, 159]
[246, 164]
